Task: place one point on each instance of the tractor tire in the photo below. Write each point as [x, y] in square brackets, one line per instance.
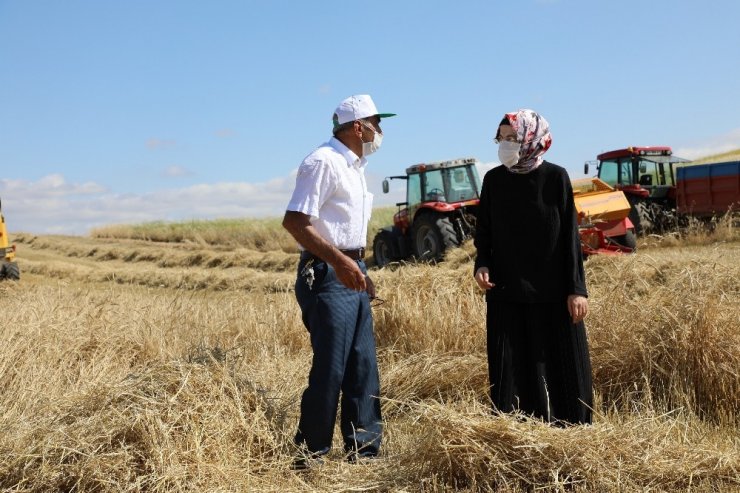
[635, 215]
[665, 219]
[629, 239]
[643, 217]
[10, 270]
[432, 235]
[383, 251]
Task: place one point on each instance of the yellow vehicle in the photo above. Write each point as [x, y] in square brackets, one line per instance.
[8, 268]
[603, 217]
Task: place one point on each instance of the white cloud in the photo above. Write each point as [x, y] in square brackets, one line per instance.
[51, 205]
[155, 144]
[176, 171]
[51, 186]
[225, 133]
[483, 168]
[729, 141]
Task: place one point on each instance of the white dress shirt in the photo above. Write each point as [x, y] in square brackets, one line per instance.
[330, 187]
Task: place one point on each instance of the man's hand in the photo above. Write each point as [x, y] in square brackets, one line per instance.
[481, 277]
[349, 274]
[577, 307]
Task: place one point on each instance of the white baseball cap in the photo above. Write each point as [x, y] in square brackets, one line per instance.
[355, 108]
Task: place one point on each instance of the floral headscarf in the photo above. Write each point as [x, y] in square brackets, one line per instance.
[533, 131]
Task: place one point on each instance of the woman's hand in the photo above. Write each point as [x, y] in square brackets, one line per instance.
[481, 277]
[577, 307]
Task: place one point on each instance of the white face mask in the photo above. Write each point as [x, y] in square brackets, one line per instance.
[508, 153]
[372, 146]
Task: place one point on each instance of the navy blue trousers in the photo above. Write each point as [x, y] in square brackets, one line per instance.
[340, 324]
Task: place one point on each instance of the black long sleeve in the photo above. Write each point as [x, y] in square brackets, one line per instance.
[572, 242]
[527, 235]
[482, 239]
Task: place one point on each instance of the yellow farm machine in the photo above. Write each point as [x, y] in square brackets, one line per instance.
[603, 218]
[8, 268]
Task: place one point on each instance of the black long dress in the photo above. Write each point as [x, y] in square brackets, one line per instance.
[527, 235]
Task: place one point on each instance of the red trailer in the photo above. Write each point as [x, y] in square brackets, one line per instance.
[706, 190]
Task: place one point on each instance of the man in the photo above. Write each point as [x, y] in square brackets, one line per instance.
[328, 216]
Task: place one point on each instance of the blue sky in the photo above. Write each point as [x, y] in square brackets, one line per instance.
[131, 111]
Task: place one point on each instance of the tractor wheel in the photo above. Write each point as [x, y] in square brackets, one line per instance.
[11, 271]
[383, 248]
[641, 216]
[629, 239]
[432, 235]
[665, 219]
[634, 216]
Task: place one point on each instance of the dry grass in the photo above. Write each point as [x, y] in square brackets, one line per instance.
[679, 312]
[718, 158]
[121, 373]
[261, 235]
[725, 228]
[257, 234]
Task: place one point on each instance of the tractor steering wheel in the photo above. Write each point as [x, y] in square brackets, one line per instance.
[435, 193]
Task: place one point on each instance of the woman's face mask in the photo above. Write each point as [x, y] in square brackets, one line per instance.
[508, 153]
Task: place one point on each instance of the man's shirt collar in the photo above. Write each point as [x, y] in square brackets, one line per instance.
[352, 158]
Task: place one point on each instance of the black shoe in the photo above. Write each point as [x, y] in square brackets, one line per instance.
[360, 458]
[305, 462]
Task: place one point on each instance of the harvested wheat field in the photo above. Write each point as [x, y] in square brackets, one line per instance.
[129, 364]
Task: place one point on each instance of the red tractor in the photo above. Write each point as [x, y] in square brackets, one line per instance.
[439, 213]
[647, 176]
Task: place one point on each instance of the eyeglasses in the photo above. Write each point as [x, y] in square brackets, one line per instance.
[371, 126]
[508, 138]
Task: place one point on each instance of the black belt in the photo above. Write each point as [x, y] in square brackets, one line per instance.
[356, 254]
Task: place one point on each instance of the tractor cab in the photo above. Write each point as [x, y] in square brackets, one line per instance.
[427, 183]
[440, 211]
[646, 171]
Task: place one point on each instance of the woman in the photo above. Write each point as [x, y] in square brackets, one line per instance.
[529, 262]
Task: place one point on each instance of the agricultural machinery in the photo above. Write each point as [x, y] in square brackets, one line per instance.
[647, 176]
[8, 267]
[439, 212]
[602, 214]
[664, 189]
